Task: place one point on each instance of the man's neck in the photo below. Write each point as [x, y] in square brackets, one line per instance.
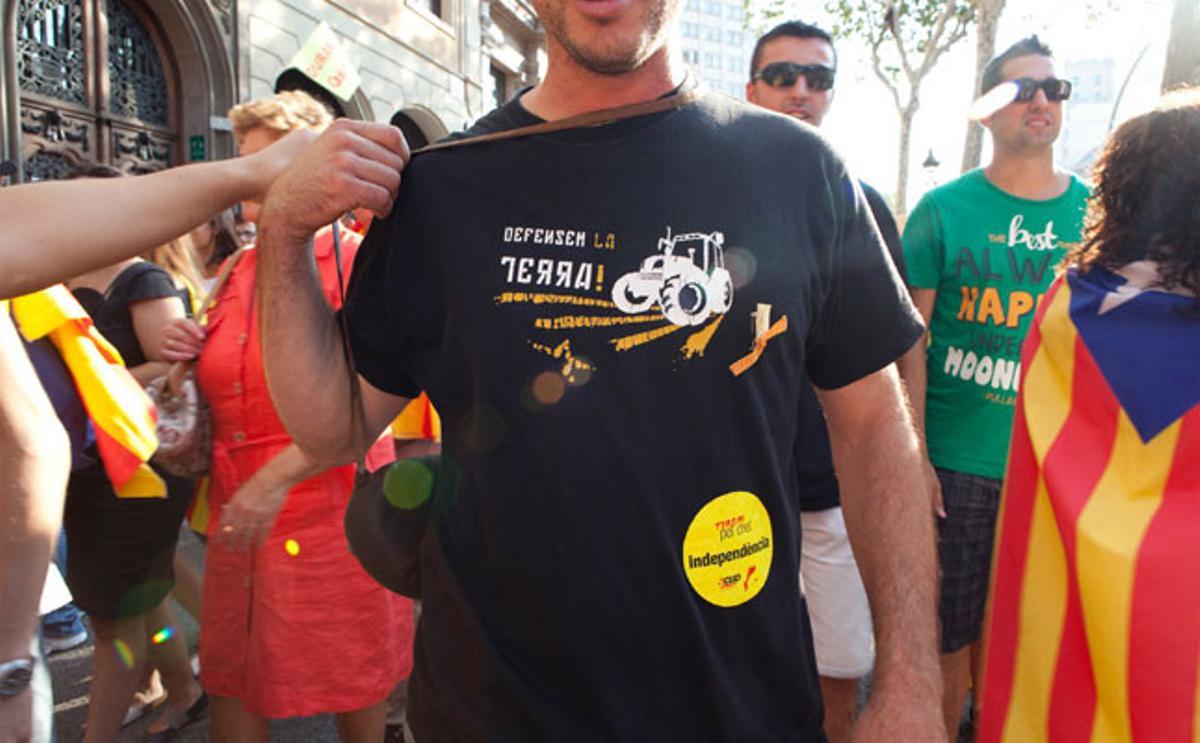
[1027, 175]
[569, 89]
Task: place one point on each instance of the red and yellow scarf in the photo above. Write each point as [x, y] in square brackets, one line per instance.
[122, 415]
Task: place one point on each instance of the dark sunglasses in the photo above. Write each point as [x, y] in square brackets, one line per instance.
[1056, 89]
[785, 75]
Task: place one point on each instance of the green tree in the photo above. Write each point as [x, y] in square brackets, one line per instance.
[905, 38]
[987, 21]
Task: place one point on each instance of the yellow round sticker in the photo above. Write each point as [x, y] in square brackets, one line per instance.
[727, 549]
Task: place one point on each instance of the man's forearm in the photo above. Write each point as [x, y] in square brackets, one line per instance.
[884, 499]
[34, 464]
[301, 346]
[351, 165]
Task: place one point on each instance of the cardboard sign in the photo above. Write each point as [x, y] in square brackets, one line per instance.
[323, 59]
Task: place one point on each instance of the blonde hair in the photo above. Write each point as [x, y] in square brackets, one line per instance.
[280, 114]
[179, 259]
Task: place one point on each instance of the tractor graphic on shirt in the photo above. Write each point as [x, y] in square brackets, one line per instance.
[686, 278]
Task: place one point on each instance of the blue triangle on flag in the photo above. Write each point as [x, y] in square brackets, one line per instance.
[1147, 348]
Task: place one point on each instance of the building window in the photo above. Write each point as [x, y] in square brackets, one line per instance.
[51, 50]
[93, 87]
[136, 81]
[433, 7]
[499, 86]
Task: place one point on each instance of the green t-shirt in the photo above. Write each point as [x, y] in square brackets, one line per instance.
[990, 256]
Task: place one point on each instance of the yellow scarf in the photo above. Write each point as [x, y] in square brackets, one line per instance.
[122, 415]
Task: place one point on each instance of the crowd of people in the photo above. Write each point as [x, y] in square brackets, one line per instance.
[622, 468]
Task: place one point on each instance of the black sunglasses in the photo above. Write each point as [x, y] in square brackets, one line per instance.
[785, 75]
[1056, 89]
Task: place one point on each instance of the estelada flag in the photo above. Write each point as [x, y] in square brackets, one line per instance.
[122, 416]
[1094, 617]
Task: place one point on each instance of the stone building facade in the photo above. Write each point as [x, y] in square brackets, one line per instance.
[145, 84]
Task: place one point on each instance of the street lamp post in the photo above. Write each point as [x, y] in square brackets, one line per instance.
[930, 168]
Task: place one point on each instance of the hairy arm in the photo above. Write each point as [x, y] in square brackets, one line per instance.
[301, 342]
[35, 460]
[878, 461]
[114, 218]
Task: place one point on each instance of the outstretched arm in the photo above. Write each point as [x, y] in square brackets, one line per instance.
[306, 372]
[878, 461]
[109, 220]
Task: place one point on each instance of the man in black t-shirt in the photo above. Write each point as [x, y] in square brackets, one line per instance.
[792, 72]
[615, 323]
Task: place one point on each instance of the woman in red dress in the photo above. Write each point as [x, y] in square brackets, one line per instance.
[291, 624]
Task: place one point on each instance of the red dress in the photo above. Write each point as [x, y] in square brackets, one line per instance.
[295, 626]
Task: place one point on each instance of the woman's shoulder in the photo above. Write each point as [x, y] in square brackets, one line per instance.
[140, 281]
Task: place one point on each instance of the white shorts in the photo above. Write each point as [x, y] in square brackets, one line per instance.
[837, 601]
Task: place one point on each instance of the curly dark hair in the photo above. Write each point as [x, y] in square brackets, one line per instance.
[1145, 204]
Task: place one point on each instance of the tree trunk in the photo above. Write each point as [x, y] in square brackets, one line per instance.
[987, 21]
[1183, 52]
[906, 120]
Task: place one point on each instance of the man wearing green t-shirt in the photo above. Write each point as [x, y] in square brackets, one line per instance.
[981, 251]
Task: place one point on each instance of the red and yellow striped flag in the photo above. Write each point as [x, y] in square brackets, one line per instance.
[122, 416]
[1094, 617]
[418, 420]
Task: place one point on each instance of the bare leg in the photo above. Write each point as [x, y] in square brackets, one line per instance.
[841, 707]
[231, 723]
[362, 725]
[188, 585]
[956, 674]
[171, 659]
[117, 671]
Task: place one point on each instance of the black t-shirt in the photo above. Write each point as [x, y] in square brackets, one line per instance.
[573, 304]
[814, 459]
[110, 311]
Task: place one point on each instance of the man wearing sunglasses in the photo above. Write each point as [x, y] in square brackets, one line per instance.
[981, 251]
[792, 72]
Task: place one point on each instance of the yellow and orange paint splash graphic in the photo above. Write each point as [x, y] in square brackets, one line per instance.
[571, 363]
[544, 298]
[577, 322]
[698, 342]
